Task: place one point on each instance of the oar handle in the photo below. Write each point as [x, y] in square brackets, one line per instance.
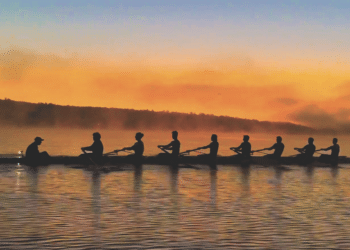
[188, 151]
[87, 155]
[164, 150]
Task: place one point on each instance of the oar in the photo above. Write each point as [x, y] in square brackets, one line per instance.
[188, 151]
[106, 154]
[257, 151]
[164, 150]
[114, 152]
[87, 155]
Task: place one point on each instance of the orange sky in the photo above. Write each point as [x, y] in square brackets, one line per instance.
[271, 60]
[234, 86]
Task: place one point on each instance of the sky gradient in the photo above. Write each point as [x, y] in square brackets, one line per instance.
[266, 60]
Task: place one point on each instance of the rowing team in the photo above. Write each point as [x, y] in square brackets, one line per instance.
[95, 151]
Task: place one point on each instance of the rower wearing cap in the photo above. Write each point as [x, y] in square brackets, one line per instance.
[33, 156]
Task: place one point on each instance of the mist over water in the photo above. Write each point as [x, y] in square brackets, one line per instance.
[59, 141]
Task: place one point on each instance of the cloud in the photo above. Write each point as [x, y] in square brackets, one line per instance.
[287, 101]
[15, 63]
[315, 117]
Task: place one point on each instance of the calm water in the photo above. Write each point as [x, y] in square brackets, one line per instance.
[151, 207]
[160, 207]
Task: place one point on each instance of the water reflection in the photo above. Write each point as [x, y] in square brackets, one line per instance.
[213, 186]
[334, 173]
[174, 178]
[309, 169]
[245, 173]
[147, 207]
[244, 235]
[137, 178]
[276, 208]
[96, 206]
[32, 177]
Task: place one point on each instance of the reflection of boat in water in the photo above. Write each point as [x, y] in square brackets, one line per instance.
[222, 160]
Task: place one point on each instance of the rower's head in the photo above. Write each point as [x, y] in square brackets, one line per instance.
[279, 139]
[38, 140]
[335, 140]
[138, 136]
[175, 134]
[214, 137]
[246, 138]
[311, 140]
[96, 136]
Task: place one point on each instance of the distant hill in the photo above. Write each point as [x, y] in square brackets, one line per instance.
[15, 113]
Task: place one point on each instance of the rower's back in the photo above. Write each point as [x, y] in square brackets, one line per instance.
[214, 146]
[138, 148]
[335, 149]
[246, 147]
[310, 148]
[175, 145]
[279, 147]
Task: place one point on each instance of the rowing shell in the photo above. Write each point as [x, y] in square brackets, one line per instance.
[222, 160]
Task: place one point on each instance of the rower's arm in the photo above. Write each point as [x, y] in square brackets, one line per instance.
[128, 148]
[236, 149]
[204, 147]
[270, 148]
[169, 146]
[90, 148]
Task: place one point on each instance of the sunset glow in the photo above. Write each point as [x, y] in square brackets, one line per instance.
[265, 60]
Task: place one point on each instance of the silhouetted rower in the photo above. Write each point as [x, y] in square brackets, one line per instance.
[308, 151]
[174, 146]
[334, 151]
[33, 156]
[213, 146]
[138, 147]
[244, 149]
[96, 149]
[278, 147]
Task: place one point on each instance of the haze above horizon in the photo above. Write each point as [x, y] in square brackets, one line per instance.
[264, 60]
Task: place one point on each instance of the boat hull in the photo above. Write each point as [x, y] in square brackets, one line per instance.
[221, 160]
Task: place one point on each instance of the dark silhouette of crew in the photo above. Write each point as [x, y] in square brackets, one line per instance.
[333, 157]
[33, 156]
[278, 147]
[213, 147]
[244, 150]
[307, 152]
[96, 149]
[138, 147]
[174, 146]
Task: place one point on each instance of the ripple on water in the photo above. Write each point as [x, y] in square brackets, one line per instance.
[58, 207]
